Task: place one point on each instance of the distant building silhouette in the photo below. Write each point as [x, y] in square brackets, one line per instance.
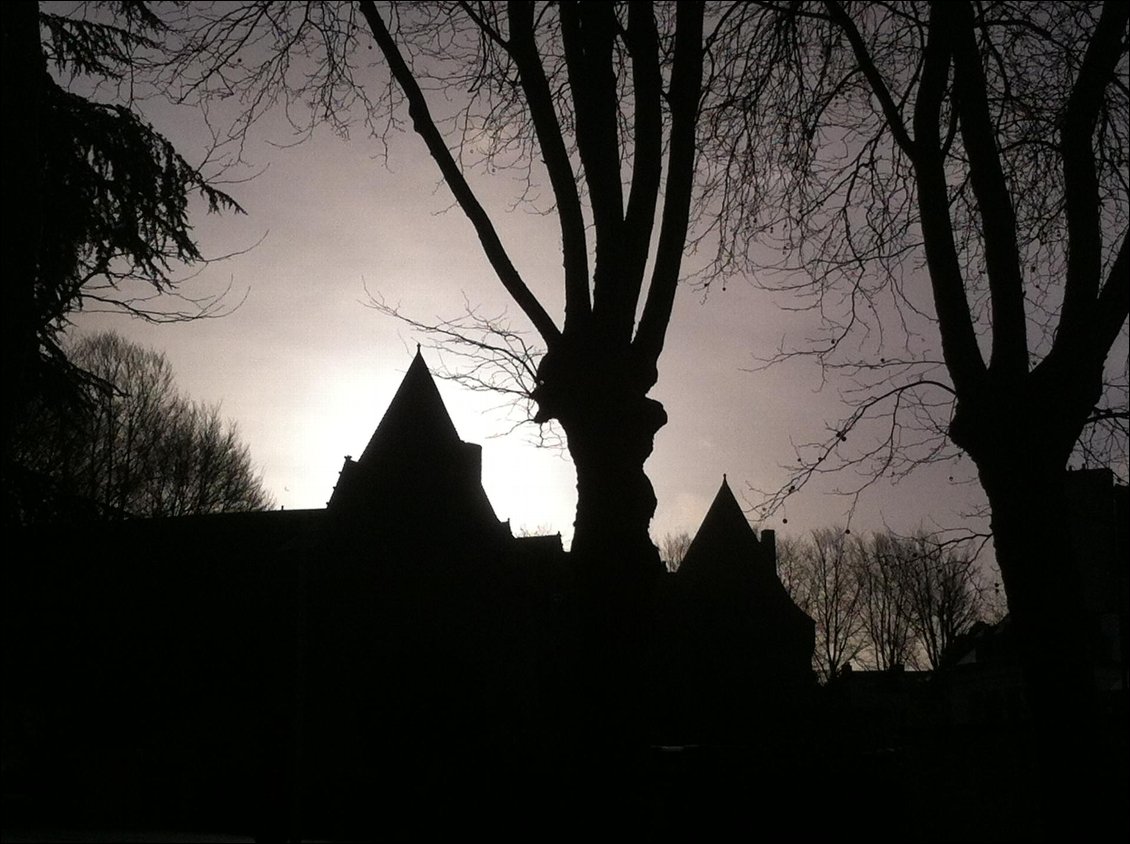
[738, 644]
[984, 681]
[415, 472]
[290, 665]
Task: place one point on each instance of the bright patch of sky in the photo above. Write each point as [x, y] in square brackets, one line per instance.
[306, 369]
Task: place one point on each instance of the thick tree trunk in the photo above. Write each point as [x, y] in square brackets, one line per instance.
[610, 425]
[24, 69]
[609, 444]
[1054, 634]
[1022, 465]
[617, 568]
[599, 396]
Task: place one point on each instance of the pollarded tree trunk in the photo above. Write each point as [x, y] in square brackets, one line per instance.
[1021, 446]
[600, 399]
[1054, 634]
[610, 438]
[601, 403]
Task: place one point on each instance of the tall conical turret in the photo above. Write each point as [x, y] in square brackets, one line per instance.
[415, 473]
[416, 418]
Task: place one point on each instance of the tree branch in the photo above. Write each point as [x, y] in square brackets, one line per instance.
[647, 162]
[1009, 356]
[959, 339]
[1114, 299]
[1081, 184]
[588, 33]
[879, 88]
[828, 457]
[523, 49]
[425, 126]
[686, 90]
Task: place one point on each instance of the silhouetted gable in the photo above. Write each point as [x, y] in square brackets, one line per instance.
[416, 415]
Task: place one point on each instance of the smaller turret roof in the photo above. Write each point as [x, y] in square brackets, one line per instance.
[724, 536]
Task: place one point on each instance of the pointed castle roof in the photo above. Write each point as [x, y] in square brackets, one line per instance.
[725, 539]
[416, 472]
[416, 416]
[730, 577]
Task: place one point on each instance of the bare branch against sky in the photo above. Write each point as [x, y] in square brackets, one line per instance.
[336, 218]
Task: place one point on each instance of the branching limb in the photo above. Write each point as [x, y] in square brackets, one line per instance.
[483, 353]
[911, 417]
[425, 126]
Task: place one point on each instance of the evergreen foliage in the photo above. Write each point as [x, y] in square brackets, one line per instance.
[96, 199]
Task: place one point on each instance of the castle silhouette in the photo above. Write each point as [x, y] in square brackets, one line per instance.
[325, 669]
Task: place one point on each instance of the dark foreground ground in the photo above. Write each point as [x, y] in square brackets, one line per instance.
[45, 835]
[969, 786]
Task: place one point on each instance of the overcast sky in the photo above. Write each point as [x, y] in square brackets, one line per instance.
[306, 369]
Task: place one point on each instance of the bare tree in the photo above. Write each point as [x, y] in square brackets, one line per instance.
[984, 147]
[791, 569]
[943, 591]
[598, 367]
[673, 548]
[138, 448]
[821, 573]
[885, 602]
